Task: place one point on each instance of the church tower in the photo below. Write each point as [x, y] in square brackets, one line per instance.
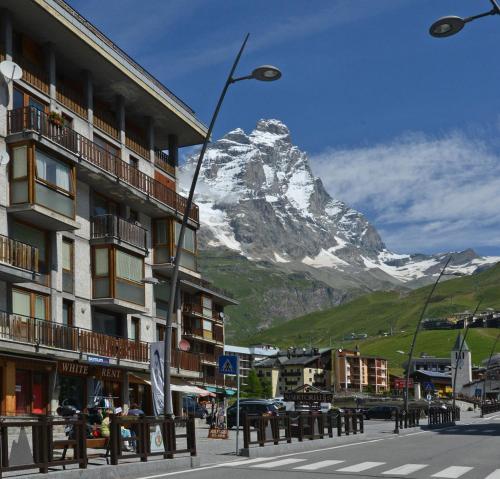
[461, 361]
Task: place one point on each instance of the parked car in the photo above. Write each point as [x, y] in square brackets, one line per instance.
[192, 408]
[381, 412]
[261, 407]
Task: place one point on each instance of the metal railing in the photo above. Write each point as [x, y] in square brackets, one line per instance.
[489, 408]
[18, 254]
[112, 226]
[39, 332]
[32, 119]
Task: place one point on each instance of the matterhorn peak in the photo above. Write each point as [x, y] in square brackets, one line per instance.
[237, 135]
[270, 131]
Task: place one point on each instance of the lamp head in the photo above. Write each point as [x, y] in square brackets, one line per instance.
[266, 73]
[446, 26]
[150, 280]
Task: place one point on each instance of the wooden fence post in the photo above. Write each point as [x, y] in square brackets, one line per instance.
[81, 445]
[42, 436]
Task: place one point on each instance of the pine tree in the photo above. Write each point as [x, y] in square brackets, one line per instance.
[253, 386]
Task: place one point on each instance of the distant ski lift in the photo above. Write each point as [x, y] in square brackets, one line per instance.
[10, 70]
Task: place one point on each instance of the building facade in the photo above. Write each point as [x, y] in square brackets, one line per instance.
[88, 209]
[249, 356]
[355, 372]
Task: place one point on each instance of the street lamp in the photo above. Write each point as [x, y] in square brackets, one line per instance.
[492, 352]
[447, 26]
[410, 354]
[263, 73]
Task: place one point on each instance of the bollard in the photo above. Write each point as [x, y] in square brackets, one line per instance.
[339, 424]
[396, 429]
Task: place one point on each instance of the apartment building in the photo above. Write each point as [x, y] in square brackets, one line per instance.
[296, 367]
[88, 208]
[353, 371]
[249, 356]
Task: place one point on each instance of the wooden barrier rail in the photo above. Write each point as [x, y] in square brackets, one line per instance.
[489, 408]
[42, 433]
[439, 416]
[405, 420]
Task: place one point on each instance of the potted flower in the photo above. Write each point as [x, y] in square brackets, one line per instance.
[56, 118]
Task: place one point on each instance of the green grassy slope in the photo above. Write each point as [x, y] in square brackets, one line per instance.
[379, 312]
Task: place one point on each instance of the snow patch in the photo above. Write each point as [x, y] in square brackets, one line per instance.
[280, 259]
[325, 259]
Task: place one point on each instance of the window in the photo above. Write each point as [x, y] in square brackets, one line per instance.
[67, 316]
[107, 323]
[103, 206]
[207, 306]
[207, 329]
[161, 242]
[67, 260]
[160, 332]
[162, 296]
[54, 184]
[134, 162]
[188, 255]
[118, 274]
[135, 329]
[30, 304]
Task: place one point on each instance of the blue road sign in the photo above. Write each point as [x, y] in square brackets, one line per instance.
[228, 365]
[478, 392]
[429, 386]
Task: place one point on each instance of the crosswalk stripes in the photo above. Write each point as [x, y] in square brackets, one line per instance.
[281, 462]
[362, 466]
[246, 461]
[405, 470]
[452, 472]
[494, 475]
[318, 465]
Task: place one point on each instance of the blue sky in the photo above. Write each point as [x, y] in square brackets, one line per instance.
[399, 125]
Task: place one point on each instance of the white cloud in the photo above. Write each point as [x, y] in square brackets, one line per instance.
[423, 193]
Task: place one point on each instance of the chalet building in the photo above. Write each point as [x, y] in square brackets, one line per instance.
[249, 356]
[354, 372]
[88, 208]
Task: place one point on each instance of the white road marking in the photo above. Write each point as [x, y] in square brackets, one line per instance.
[452, 472]
[406, 469]
[318, 465]
[281, 462]
[467, 430]
[494, 475]
[362, 466]
[487, 430]
[247, 461]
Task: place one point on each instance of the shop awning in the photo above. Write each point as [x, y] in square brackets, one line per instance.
[216, 390]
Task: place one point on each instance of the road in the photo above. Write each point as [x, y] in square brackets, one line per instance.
[469, 450]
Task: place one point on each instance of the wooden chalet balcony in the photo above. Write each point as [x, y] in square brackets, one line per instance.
[113, 227]
[214, 336]
[24, 329]
[34, 75]
[105, 121]
[162, 161]
[185, 360]
[18, 254]
[71, 99]
[30, 119]
[197, 309]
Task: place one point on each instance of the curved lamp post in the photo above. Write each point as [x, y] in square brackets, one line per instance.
[410, 354]
[447, 26]
[263, 73]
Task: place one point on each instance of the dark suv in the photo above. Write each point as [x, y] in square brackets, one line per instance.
[250, 407]
[381, 412]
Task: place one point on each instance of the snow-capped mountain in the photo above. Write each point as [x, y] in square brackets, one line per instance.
[258, 197]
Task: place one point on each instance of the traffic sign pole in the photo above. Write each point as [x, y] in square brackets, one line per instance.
[237, 403]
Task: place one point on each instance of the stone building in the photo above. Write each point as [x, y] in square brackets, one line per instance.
[88, 209]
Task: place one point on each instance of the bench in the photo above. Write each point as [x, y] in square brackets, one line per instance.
[92, 443]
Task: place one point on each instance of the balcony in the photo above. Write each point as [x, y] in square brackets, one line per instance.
[33, 75]
[209, 358]
[116, 230]
[162, 161]
[197, 310]
[147, 192]
[214, 336]
[41, 333]
[71, 99]
[18, 261]
[186, 361]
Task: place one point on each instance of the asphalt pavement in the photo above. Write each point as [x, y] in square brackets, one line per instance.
[469, 450]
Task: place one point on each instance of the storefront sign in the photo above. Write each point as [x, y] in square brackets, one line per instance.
[308, 397]
[75, 369]
[97, 360]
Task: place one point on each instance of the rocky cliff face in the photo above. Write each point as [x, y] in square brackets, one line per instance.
[259, 198]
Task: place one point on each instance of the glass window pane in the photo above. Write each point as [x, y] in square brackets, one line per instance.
[67, 248]
[100, 206]
[207, 325]
[54, 200]
[18, 99]
[65, 316]
[133, 293]
[53, 171]
[19, 192]
[162, 292]
[189, 237]
[21, 303]
[20, 163]
[128, 267]
[40, 311]
[101, 262]
[161, 232]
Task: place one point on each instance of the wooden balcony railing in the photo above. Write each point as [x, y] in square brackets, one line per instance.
[215, 335]
[186, 360]
[219, 334]
[71, 99]
[36, 76]
[162, 161]
[112, 226]
[106, 121]
[197, 309]
[34, 331]
[31, 119]
[18, 254]
[137, 145]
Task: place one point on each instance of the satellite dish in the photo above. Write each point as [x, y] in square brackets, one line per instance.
[10, 70]
[4, 158]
